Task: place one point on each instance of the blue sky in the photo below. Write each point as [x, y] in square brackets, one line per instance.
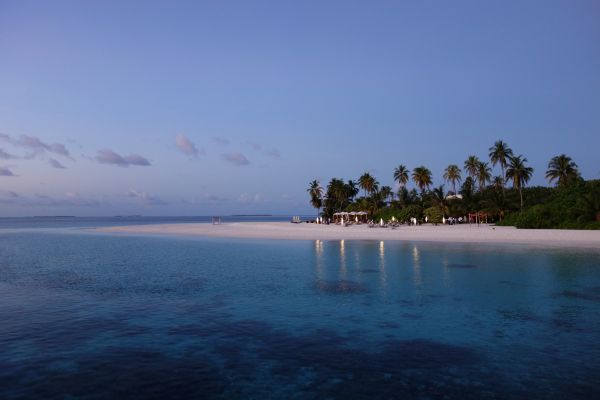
[200, 108]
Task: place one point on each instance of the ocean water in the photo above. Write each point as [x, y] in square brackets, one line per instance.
[100, 316]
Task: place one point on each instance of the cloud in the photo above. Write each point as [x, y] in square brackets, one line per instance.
[270, 152]
[255, 146]
[55, 164]
[107, 156]
[273, 153]
[70, 199]
[4, 171]
[236, 158]
[6, 156]
[75, 199]
[186, 146]
[8, 193]
[8, 197]
[246, 198]
[146, 198]
[213, 198]
[220, 140]
[36, 146]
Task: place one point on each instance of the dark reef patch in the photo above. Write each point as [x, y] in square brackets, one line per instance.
[463, 266]
[518, 315]
[117, 373]
[340, 287]
[581, 295]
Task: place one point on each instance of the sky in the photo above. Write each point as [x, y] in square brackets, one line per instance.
[233, 107]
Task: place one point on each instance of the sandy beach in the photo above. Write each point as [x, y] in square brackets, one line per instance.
[430, 233]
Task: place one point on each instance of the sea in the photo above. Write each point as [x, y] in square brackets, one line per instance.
[91, 315]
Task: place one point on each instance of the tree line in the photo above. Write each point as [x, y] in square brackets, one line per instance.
[474, 188]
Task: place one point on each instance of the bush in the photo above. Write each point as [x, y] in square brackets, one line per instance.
[433, 215]
[408, 212]
[573, 207]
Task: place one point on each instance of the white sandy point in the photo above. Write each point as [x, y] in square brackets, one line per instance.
[441, 233]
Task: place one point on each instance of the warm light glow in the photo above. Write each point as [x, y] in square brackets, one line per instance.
[319, 258]
[418, 279]
[343, 271]
[382, 275]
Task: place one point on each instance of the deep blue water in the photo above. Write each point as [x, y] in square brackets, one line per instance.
[97, 316]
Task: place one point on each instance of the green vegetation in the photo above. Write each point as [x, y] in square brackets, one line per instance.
[572, 204]
[576, 206]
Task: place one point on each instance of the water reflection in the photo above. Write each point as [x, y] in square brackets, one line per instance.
[446, 273]
[319, 258]
[343, 270]
[382, 275]
[417, 277]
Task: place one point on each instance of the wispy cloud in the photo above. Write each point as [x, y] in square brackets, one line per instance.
[55, 164]
[146, 198]
[273, 153]
[8, 197]
[6, 156]
[246, 198]
[69, 199]
[221, 140]
[4, 171]
[36, 146]
[75, 199]
[269, 152]
[187, 146]
[236, 159]
[255, 146]
[107, 156]
[9, 193]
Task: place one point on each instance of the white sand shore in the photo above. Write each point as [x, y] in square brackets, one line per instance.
[456, 233]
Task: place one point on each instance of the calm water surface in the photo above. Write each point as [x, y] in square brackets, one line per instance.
[100, 316]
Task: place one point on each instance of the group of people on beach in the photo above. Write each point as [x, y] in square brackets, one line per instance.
[411, 222]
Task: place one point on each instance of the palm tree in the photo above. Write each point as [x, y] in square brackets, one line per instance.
[337, 195]
[562, 169]
[422, 178]
[367, 182]
[472, 166]
[352, 189]
[401, 175]
[439, 199]
[519, 173]
[500, 153]
[484, 174]
[386, 193]
[452, 175]
[316, 195]
[498, 182]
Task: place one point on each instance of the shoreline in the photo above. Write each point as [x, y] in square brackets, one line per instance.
[485, 234]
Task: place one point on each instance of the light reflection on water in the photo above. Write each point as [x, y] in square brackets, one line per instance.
[204, 318]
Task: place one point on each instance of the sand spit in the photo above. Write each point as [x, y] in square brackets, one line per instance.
[430, 233]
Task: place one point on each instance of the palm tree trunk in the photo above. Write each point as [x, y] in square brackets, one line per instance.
[521, 195]
[503, 180]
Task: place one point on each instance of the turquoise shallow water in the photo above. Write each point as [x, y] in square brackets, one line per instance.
[99, 316]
